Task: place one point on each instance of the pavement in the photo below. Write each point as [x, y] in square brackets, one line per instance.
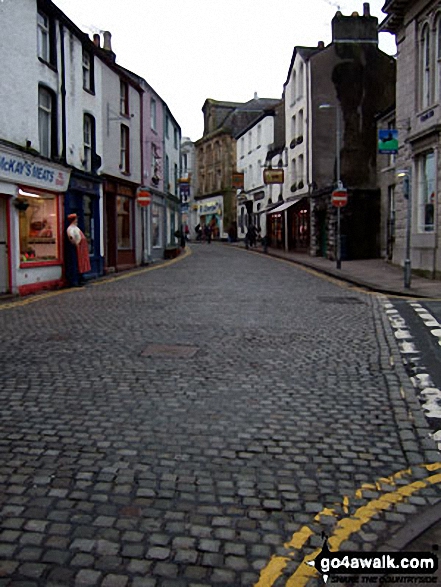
[372, 274]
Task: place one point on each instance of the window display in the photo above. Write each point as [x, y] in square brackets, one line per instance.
[38, 223]
[124, 207]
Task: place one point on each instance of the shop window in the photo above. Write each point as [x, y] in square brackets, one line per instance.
[157, 223]
[426, 177]
[88, 75]
[47, 123]
[38, 228]
[89, 223]
[124, 212]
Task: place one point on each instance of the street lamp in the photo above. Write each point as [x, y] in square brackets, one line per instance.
[339, 182]
[406, 174]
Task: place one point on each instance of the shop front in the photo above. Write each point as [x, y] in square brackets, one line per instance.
[31, 223]
[83, 199]
[210, 214]
[120, 201]
[288, 225]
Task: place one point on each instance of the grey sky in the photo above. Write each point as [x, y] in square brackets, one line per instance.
[190, 50]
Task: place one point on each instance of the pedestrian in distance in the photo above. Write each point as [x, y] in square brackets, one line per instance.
[207, 232]
[78, 240]
[198, 231]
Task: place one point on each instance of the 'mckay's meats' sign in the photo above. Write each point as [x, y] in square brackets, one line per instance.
[34, 173]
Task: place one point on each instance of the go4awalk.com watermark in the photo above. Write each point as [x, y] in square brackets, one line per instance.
[383, 568]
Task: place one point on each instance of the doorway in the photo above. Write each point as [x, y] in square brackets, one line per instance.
[4, 265]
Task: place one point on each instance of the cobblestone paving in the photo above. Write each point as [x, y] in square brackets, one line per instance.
[120, 466]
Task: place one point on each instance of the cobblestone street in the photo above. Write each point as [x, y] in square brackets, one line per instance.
[201, 424]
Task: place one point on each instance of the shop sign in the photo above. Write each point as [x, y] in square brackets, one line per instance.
[272, 176]
[259, 196]
[34, 173]
[238, 181]
[388, 142]
[184, 208]
[184, 189]
[209, 208]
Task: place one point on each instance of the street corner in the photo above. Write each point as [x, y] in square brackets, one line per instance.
[361, 523]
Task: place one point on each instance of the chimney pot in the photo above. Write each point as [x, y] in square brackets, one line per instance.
[321, 45]
[107, 41]
[96, 40]
[366, 9]
[255, 96]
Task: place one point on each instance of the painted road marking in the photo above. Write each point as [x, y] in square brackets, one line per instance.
[125, 275]
[345, 527]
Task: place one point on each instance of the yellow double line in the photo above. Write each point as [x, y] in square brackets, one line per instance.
[126, 275]
[345, 527]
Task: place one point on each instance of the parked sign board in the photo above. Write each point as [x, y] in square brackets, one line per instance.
[272, 176]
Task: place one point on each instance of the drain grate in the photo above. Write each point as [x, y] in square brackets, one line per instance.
[169, 351]
[339, 300]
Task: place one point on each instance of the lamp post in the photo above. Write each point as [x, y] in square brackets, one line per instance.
[406, 174]
[338, 173]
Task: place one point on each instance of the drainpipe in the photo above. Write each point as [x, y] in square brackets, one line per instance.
[63, 97]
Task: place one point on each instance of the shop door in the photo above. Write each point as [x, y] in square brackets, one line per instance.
[4, 271]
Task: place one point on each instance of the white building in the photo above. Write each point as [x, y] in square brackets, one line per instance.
[188, 186]
[252, 147]
[172, 146]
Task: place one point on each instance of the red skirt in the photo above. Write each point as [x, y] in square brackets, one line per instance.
[83, 256]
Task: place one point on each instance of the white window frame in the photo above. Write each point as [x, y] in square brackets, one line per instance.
[87, 142]
[43, 36]
[153, 117]
[426, 73]
[45, 122]
[87, 72]
[124, 161]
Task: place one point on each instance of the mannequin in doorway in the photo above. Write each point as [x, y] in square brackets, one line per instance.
[79, 241]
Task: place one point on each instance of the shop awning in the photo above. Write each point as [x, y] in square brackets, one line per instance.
[284, 206]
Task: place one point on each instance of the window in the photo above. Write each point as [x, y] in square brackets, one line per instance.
[301, 118]
[124, 98]
[88, 141]
[294, 87]
[294, 127]
[175, 177]
[38, 229]
[157, 225]
[300, 81]
[43, 37]
[176, 138]
[425, 67]
[300, 170]
[124, 233]
[124, 163]
[89, 223]
[259, 135]
[426, 174]
[167, 127]
[167, 173]
[153, 113]
[184, 163]
[438, 57]
[242, 147]
[46, 123]
[88, 77]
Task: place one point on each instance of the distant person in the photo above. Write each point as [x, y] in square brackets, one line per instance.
[207, 232]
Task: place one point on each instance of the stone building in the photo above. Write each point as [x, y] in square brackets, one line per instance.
[350, 82]
[417, 26]
[216, 159]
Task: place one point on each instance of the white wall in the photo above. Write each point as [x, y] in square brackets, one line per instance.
[296, 109]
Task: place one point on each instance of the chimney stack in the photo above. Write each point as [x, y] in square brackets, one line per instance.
[366, 9]
[96, 40]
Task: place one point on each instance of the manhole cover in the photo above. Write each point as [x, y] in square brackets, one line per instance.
[169, 350]
[339, 300]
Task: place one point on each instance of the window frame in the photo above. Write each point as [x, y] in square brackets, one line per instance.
[88, 71]
[51, 126]
[426, 69]
[153, 115]
[426, 190]
[89, 148]
[124, 160]
[124, 107]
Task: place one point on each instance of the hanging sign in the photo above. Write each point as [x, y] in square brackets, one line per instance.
[272, 176]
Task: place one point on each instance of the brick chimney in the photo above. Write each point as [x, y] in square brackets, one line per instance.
[96, 40]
